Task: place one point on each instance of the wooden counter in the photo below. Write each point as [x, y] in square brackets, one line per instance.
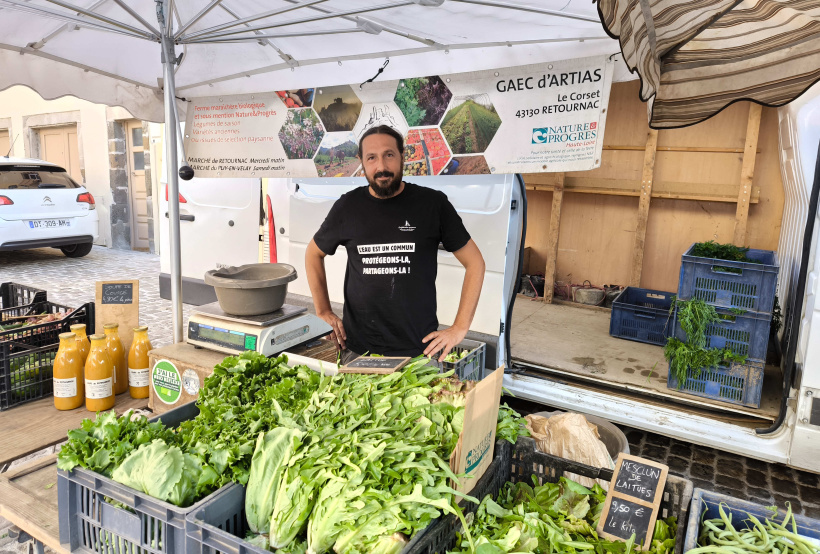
[31, 427]
[28, 493]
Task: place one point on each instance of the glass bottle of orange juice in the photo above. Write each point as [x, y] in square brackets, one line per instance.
[118, 357]
[69, 381]
[138, 371]
[82, 340]
[99, 376]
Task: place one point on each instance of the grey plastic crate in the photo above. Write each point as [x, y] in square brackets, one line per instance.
[469, 367]
[219, 526]
[90, 521]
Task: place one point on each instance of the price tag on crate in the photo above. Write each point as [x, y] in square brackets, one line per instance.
[633, 501]
[119, 302]
[374, 364]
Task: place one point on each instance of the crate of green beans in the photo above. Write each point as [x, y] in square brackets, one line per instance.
[722, 524]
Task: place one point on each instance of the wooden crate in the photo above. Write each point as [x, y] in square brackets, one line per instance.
[193, 365]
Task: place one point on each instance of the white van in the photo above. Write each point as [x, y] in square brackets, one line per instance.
[493, 208]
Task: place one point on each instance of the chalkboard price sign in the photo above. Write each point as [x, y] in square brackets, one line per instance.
[118, 302]
[626, 518]
[375, 364]
[634, 499]
[117, 293]
[638, 480]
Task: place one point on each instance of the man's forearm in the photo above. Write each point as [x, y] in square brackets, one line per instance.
[470, 292]
[317, 280]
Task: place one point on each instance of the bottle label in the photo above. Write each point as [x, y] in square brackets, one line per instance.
[138, 377]
[99, 388]
[65, 388]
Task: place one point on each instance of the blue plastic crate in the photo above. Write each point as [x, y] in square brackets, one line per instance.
[744, 334]
[641, 315]
[705, 506]
[736, 384]
[717, 282]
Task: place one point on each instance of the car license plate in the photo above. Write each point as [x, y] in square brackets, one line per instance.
[49, 223]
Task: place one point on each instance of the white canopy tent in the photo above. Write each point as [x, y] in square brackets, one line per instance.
[110, 51]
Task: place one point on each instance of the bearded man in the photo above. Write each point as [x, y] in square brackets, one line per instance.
[391, 230]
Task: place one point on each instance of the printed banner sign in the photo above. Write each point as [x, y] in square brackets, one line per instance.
[537, 118]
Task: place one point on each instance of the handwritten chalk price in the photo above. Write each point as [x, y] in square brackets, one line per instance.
[633, 501]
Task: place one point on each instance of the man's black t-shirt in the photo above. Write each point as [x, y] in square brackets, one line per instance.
[390, 281]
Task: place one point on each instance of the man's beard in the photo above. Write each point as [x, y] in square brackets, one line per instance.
[384, 191]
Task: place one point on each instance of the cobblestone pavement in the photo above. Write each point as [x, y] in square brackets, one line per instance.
[72, 282]
[710, 469]
[746, 478]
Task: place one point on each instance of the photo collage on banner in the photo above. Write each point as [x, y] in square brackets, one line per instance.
[527, 119]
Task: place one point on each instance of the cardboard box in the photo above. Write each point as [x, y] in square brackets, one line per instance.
[474, 450]
[178, 372]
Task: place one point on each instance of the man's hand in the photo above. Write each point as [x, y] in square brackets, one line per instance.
[338, 335]
[443, 340]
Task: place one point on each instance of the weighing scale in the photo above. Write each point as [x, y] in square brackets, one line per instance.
[269, 334]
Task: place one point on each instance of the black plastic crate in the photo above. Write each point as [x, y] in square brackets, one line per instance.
[27, 353]
[728, 284]
[13, 295]
[43, 334]
[642, 315]
[520, 463]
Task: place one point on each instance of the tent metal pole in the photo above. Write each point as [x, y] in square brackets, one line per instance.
[171, 165]
[304, 20]
[242, 21]
[202, 13]
[178, 129]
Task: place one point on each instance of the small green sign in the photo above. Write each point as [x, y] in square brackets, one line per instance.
[166, 381]
[250, 342]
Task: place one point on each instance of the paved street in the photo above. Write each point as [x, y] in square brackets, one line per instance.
[729, 474]
[72, 282]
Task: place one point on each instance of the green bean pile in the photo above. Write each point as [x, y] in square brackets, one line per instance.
[719, 536]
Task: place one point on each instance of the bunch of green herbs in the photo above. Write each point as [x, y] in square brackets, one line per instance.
[550, 518]
[694, 355]
[730, 252]
[362, 466]
[510, 425]
[235, 404]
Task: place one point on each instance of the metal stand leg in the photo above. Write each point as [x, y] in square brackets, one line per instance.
[171, 164]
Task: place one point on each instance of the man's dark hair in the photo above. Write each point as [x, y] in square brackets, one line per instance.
[383, 130]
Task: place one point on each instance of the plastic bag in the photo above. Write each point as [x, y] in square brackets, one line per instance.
[571, 436]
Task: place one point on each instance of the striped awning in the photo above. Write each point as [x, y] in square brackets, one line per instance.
[696, 57]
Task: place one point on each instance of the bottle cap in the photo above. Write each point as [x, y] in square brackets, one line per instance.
[78, 326]
[111, 326]
[97, 336]
[140, 329]
[67, 336]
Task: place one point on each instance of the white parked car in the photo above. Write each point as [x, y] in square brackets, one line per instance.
[41, 206]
